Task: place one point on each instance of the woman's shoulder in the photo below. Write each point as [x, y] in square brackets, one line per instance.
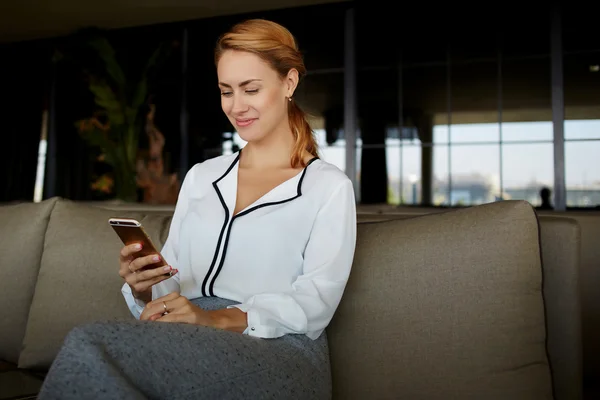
[329, 172]
[326, 178]
[212, 168]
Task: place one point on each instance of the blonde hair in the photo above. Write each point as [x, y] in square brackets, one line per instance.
[274, 44]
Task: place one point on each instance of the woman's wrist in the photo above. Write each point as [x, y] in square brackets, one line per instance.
[230, 319]
[145, 296]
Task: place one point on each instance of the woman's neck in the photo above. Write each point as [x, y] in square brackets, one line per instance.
[274, 151]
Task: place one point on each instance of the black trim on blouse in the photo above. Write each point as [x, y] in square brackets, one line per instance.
[241, 214]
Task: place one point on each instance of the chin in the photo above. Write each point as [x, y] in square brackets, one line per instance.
[250, 135]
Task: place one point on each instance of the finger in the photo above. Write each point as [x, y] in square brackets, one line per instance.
[151, 309]
[155, 317]
[158, 305]
[124, 270]
[146, 314]
[154, 272]
[143, 285]
[127, 251]
[168, 297]
[175, 317]
[142, 262]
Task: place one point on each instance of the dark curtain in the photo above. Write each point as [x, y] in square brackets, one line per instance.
[23, 73]
[69, 101]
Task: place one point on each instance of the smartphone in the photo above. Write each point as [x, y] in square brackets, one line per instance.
[131, 231]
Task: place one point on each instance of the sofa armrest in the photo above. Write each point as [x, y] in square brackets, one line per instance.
[560, 240]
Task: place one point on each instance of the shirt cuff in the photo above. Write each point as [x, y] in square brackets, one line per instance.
[136, 306]
[255, 328]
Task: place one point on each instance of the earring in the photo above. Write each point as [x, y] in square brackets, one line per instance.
[290, 98]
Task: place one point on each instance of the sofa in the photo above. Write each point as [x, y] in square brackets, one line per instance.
[589, 274]
[477, 303]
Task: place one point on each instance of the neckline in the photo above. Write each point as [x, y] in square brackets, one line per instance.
[258, 202]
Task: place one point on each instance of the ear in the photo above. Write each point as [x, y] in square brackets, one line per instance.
[291, 82]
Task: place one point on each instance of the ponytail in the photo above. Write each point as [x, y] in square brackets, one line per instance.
[305, 140]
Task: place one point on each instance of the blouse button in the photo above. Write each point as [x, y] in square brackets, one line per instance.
[252, 329]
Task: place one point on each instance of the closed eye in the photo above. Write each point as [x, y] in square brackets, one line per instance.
[252, 91]
[226, 94]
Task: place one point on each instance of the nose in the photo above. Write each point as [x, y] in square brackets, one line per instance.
[239, 105]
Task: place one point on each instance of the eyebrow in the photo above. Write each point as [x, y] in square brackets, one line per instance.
[241, 84]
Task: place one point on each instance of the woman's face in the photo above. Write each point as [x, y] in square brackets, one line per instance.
[253, 95]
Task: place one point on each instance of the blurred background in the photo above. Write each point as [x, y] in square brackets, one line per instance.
[420, 104]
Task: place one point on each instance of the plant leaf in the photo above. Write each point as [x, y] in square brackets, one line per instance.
[107, 54]
[105, 98]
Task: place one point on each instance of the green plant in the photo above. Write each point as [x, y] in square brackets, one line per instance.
[119, 118]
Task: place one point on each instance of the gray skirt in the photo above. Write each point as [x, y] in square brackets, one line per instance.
[150, 360]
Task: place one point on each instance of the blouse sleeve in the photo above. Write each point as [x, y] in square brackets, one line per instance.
[316, 293]
[170, 252]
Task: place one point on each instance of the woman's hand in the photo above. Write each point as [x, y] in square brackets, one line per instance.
[141, 281]
[176, 308]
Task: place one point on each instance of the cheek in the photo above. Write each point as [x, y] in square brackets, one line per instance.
[225, 105]
[271, 103]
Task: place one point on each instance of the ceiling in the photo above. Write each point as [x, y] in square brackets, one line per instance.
[34, 19]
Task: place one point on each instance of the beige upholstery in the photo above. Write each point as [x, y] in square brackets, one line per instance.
[589, 223]
[561, 250]
[560, 239]
[78, 280]
[440, 306]
[22, 231]
[444, 306]
[589, 271]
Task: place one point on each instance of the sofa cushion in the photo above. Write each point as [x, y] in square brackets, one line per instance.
[78, 280]
[444, 306]
[21, 243]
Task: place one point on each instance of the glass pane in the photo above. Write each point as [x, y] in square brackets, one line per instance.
[440, 175]
[526, 100]
[424, 100]
[475, 174]
[581, 88]
[440, 134]
[582, 129]
[582, 168]
[474, 96]
[527, 131]
[392, 157]
[473, 133]
[411, 173]
[527, 168]
[334, 154]
[322, 95]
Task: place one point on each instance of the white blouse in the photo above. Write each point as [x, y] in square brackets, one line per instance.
[286, 258]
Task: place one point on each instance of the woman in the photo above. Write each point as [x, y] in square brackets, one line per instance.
[259, 251]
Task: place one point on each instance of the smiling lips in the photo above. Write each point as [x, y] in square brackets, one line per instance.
[244, 122]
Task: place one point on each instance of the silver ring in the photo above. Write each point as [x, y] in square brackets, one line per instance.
[165, 307]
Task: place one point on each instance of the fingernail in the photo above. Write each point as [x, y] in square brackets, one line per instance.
[138, 246]
[167, 268]
[156, 258]
[175, 271]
